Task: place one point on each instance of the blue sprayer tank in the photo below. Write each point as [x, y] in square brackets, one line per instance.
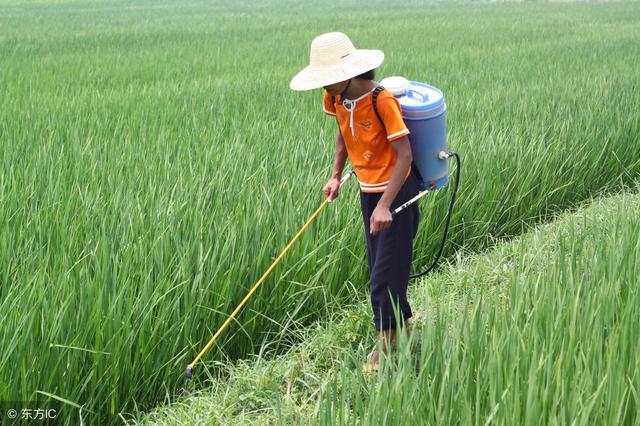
[423, 111]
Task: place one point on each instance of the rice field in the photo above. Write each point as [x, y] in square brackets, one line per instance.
[154, 162]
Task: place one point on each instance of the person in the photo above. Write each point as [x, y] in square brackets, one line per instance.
[379, 150]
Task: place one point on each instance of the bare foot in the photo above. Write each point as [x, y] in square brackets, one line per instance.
[373, 364]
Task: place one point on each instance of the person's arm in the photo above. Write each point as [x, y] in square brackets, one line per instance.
[381, 218]
[332, 189]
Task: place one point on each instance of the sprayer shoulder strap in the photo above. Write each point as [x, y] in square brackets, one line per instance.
[374, 100]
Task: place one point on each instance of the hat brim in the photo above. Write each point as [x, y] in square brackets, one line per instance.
[315, 77]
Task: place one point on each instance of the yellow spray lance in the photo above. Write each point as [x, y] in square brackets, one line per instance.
[224, 325]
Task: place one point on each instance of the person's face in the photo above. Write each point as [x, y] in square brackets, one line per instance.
[337, 88]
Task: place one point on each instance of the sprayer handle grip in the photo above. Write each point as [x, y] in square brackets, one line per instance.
[411, 201]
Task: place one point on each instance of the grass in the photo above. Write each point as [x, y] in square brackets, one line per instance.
[154, 163]
[541, 329]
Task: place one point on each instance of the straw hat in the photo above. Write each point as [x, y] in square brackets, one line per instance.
[333, 59]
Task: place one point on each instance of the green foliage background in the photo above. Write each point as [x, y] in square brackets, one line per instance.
[154, 162]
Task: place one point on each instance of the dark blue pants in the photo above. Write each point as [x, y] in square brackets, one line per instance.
[390, 253]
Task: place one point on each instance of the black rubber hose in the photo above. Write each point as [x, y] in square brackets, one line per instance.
[446, 225]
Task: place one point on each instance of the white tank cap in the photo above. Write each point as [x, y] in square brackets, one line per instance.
[398, 86]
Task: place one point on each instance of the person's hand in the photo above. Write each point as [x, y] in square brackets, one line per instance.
[331, 189]
[380, 220]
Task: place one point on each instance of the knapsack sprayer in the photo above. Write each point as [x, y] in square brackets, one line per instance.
[424, 112]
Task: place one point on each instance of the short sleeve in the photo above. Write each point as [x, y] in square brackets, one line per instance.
[391, 114]
[328, 107]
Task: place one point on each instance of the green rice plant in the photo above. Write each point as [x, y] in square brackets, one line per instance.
[154, 163]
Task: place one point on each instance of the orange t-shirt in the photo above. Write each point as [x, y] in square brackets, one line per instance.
[366, 139]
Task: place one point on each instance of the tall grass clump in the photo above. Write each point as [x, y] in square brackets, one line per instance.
[551, 339]
[153, 163]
